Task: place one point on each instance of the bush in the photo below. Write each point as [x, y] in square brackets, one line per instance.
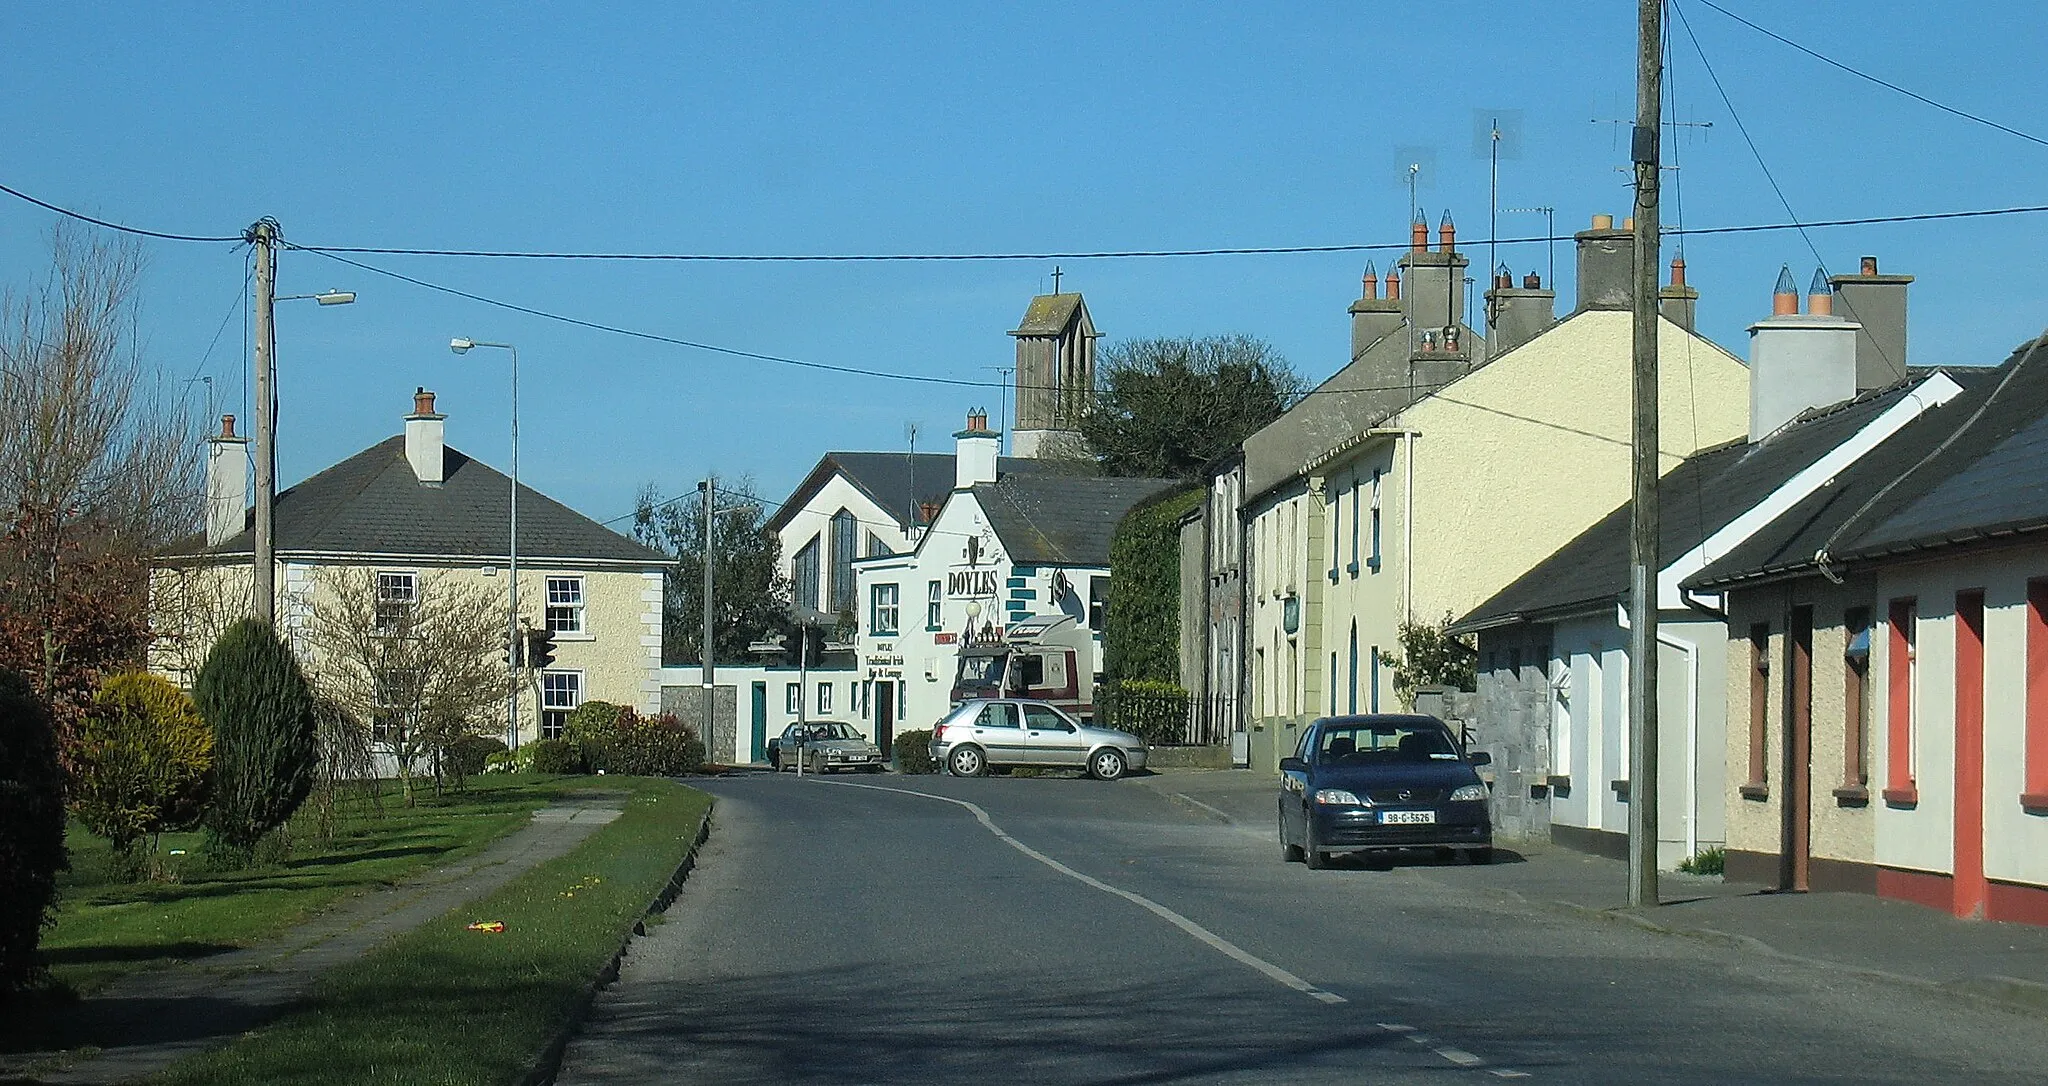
[1154, 711]
[501, 761]
[31, 829]
[252, 693]
[622, 741]
[914, 752]
[471, 754]
[1710, 861]
[589, 728]
[141, 764]
[553, 756]
[1141, 622]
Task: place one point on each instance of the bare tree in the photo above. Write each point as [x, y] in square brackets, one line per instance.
[419, 658]
[99, 467]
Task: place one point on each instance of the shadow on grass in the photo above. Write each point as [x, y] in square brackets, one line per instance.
[117, 952]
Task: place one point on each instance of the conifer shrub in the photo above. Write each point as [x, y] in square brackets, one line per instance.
[142, 762]
[552, 756]
[913, 751]
[31, 829]
[263, 715]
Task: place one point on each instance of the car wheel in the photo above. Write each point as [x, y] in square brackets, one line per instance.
[775, 761]
[1106, 764]
[1289, 853]
[1316, 858]
[1480, 856]
[967, 762]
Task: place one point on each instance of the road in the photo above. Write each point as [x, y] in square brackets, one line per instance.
[1055, 930]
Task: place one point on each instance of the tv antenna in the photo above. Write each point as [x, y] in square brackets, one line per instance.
[1549, 233]
[1496, 134]
[1003, 420]
[1415, 169]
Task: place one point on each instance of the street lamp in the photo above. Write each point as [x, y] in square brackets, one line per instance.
[325, 297]
[462, 345]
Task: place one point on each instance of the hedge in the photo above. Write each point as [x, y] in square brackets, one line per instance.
[1141, 631]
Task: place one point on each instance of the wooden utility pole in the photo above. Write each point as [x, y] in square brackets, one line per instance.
[1644, 520]
[262, 235]
[705, 652]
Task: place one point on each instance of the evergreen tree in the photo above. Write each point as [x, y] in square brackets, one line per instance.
[253, 695]
[31, 828]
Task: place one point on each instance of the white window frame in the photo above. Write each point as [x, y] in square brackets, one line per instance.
[393, 600]
[793, 698]
[563, 681]
[824, 698]
[565, 604]
[885, 599]
[934, 605]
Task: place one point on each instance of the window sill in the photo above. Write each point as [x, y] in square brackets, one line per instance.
[1351, 568]
[1620, 790]
[1855, 796]
[1757, 792]
[2034, 803]
[1561, 784]
[1902, 798]
[1333, 576]
[1373, 564]
[564, 635]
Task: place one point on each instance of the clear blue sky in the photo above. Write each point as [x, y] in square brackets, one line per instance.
[796, 128]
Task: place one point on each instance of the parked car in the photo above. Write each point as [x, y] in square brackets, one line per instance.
[985, 732]
[1360, 783]
[826, 745]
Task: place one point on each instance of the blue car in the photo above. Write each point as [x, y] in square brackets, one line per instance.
[1363, 783]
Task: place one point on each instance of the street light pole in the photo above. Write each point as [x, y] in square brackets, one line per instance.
[1644, 516]
[462, 345]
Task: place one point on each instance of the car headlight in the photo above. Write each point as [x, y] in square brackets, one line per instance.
[1469, 792]
[1336, 797]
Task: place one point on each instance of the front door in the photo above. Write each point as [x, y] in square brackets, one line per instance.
[1050, 738]
[885, 717]
[1796, 844]
[760, 750]
[1971, 887]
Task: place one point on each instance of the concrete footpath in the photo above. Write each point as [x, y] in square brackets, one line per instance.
[138, 1025]
[2004, 962]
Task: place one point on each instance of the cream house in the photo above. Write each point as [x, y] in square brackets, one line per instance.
[407, 513]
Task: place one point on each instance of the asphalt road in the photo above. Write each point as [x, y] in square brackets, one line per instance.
[843, 931]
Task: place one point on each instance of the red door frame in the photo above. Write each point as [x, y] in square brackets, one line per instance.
[1971, 887]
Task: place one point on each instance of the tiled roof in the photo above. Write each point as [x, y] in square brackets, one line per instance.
[372, 503]
[1048, 314]
[1062, 520]
[898, 482]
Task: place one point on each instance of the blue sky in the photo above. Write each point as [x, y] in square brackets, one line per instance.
[806, 128]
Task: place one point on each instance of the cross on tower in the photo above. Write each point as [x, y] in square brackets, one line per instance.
[1056, 278]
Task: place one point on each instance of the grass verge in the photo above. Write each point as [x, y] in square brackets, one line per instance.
[445, 1005]
[107, 925]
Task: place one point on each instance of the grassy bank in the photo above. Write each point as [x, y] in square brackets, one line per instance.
[107, 925]
[445, 1005]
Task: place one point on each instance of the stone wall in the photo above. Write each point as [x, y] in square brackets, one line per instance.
[687, 703]
[1509, 718]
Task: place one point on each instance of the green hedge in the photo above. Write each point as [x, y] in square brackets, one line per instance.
[1154, 711]
[914, 752]
[1141, 631]
[553, 756]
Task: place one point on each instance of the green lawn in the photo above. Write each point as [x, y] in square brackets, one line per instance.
[107, 926]
[445, 1005]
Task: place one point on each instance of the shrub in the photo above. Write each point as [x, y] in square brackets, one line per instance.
[141, 764]
[501, 761]
[553, 756]
[31, 828]
[252, 693]
[1141, 622]
[1710, 861]
[619, 740]
[471, 754]
[589, 728]
[914, 752]
[1154, 711]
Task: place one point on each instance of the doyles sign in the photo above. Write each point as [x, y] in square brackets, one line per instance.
[971, 584]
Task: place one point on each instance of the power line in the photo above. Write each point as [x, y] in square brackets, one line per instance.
[125, 229]
[1885, 83]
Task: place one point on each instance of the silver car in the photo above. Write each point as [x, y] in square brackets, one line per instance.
[984, 732]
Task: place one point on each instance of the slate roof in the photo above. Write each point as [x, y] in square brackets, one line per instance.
[371, 503]
[897, 482]
[1698, 498]
[1972, 469]
[1048, 314]
[1055, 520]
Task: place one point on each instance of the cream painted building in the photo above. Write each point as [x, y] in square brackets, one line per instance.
[405, 515]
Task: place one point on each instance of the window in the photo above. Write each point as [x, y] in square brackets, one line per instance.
[1333, 684]
[396, 694]
[876, 547]
[1098, 602]
[560, 693]
[997, 715]
[824, 698]
[882, 610]
[841, 587]
[1045, 718]
[793, 698]
[803, 569]
[1373, 562]
[1336, 526]
[1855, 705]
[1355, 499]
[2035, 775]
[565, 605]
[1903, 635]
[934, 606]
[396, 595]
[1759, 710]
[1375, 678]
[1351, 704]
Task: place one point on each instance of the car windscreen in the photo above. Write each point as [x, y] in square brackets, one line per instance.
[981, 670]
[1384, 743]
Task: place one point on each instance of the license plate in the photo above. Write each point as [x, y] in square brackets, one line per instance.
[1407, 818]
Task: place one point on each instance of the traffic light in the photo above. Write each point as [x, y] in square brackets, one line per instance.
[540, 648]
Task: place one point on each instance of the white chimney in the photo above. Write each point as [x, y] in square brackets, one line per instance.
[227, 483]
[974, 452]
[1799, 361]
[424, 438]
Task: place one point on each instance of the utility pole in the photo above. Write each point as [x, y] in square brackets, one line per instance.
[262, 235]
[708, 488]
[1644, 520]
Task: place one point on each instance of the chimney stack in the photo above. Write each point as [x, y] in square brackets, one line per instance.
[1447, 234]
[1516, 315]
[1878, 303]
[1394, 283]
[1418, 233]
[1373, 318]
[1798, 361]
[1679, 303]
[425, 439]
[227, 483]
[1820, 297]
[1434, 293]
[1606, 265]
[974, 452]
